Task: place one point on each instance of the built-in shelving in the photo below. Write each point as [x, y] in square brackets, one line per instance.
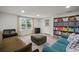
[66, 25]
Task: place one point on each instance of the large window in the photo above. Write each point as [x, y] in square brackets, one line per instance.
[25, 25]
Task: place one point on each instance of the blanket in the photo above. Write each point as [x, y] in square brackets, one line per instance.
[73, 45]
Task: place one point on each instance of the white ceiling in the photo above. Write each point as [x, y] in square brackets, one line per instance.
[43, 11]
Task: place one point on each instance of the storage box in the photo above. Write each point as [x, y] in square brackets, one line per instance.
[65, 24]
[59, 20]
[69, 34]
[55, 32]
[65, 29]
[76, 29]
[64, 34]
[72, 24]
[55, 20]
[65, 19]
[55, 24]
[77, 18]
[60, 28]
[72, 18]
[77, 24]
[60, 24]
[56, 28]
[59, 33]
[71, 29]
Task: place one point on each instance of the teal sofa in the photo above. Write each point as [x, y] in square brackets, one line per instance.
[58, 46]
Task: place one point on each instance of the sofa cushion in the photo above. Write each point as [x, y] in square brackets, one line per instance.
[58, 46]
[63, 41]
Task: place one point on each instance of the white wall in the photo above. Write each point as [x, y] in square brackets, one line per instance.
[40, 23]
[7, 21]
[47, 29]
[37, 23]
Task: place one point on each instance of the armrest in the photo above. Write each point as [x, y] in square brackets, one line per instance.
[36, 50]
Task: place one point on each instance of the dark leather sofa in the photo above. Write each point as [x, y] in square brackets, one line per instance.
[9, 33]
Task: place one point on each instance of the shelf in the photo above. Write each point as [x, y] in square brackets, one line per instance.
[67, 21]
[77, 32]
[65, 31]
[60, 26]
[68, 26]
[72, 27]
[57, 34]
[71, 32]
[61, 22]
[57, 30]
[66, 16]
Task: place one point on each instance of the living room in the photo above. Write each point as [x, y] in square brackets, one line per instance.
[33, 28]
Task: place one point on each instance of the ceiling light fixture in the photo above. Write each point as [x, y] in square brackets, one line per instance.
[22, 11]
[37, 15]
[68, 6]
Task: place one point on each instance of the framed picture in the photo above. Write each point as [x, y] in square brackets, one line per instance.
[47, 22]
